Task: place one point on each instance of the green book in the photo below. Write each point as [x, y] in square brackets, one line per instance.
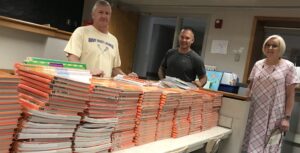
[54, 63]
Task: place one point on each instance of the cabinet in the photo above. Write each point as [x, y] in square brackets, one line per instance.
[34, 28]
[62, 14]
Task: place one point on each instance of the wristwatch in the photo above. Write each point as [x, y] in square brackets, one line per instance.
[287, 117]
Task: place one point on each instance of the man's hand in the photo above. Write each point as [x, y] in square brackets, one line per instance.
[132, 74]
[97, 72]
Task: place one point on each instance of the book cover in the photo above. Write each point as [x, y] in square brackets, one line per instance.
[214, 78]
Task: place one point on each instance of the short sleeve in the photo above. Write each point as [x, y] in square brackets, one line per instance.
[291, 77]
[117, 59]
[200, 68]
[74, 45]
[164, 60]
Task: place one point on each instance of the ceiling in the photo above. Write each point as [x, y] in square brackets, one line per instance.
[141, 5]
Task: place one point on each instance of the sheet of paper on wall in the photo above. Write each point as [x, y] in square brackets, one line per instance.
[219, 46]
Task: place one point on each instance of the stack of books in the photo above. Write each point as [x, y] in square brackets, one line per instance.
[171, 82]
[110, 99]
[40, 131]
[210, 115]
[94, 135]
[132, 80]
[168, 102]
[216, 100]
[181, 122]
[147, 109]
[196, 113]
[10, 109]
[53, 102]
[52, 92]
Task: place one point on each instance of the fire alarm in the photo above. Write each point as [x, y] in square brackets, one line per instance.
[218, 23]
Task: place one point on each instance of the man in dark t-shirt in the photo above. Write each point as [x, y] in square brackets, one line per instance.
[183, 62]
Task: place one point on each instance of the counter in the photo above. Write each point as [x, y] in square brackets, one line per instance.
[189, 143]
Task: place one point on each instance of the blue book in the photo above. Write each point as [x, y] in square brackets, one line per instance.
[214, 78]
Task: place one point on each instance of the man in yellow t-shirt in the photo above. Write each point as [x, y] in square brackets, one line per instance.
[94, 46]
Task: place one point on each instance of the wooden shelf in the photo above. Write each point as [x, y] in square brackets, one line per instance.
[34, 28]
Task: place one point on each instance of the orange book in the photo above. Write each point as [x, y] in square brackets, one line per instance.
[33, 90]
[33, 76]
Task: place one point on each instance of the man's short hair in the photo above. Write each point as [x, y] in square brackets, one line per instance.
[188, 28]
[100, 3]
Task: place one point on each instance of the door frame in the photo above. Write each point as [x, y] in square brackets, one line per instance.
[258, 35]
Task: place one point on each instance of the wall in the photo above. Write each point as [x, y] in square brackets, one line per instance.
[124, 26]
[237, 28]
[16, 45]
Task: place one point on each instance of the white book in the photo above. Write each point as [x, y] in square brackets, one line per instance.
[89, 144]
[78, 139]
[66, 150]
[49, 120]
[53, 116]
[81, 134]
[95, 148]
[33, 136]
[96, 120]
[42, 131]
[37, 146]
[98, 125]
[93, 130]
[47, 126]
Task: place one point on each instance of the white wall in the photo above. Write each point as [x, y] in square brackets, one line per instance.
[54, 49]
[16, 45]
[237, 26]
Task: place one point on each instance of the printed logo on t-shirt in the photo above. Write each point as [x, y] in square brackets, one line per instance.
[94, 40]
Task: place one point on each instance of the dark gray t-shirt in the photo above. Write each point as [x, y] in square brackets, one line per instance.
[183, 66]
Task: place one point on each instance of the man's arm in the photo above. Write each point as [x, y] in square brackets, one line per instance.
[116, 71]
[161, 73]
[73, 58]
[202, 81]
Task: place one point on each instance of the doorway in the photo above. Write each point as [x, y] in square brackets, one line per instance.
[288, 28]
[159, 34]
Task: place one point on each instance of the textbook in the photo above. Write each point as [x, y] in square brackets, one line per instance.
[214, 78]
[54, 63]
[49, 72]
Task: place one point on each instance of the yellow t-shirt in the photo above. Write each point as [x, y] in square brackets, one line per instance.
[95, 49]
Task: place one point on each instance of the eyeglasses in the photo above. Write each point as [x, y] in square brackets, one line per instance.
[271, 45]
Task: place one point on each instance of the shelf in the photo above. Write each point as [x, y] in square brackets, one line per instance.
[190, 142]
[34, 28]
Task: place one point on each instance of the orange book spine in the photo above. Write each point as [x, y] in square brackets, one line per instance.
[35, 91]
[27, 97]
[28, 70]
[33, 76]
[39, 83]
[35, 86]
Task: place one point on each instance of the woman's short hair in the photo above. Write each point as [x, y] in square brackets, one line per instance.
[282, 45]
[100, 3]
